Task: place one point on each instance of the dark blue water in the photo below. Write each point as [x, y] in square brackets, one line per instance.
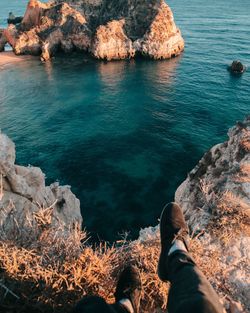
[125, 134]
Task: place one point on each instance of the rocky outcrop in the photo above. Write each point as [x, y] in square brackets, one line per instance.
[108, 29]
[23, 193]
[216, 201]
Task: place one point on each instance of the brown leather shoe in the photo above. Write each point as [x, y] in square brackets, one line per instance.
[129, 286]
[172, 227]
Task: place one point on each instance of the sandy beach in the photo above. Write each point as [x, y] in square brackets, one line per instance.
[9, 57]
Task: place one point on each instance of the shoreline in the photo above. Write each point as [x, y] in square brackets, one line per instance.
[9, 57]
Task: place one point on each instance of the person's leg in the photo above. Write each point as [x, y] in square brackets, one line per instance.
[190, 291]
[128, 289]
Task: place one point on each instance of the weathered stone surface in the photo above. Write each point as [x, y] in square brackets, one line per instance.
[33, 14]
[7, 154]
[23, 191]
[50, 46]
[111, 42]
[3, 40]
[11, 35]
[114, 29]
[27, 43]
[216, 200]
[163, 39]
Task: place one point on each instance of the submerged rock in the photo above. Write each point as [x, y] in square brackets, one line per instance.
[237, 67]
[114, 29]
[23, 192]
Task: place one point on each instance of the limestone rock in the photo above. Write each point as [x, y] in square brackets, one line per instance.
[27, 43]
[3, 40]
[51, 44]
[33, 14]
[11, 35]
[23, 192]
[112, 43]
[163, 39]
[114, 29]
[7, 154]
[216, 200]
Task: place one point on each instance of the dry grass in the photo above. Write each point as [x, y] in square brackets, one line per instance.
[229, 217]
[229, 212]
[47, 269]
[245, 143]
[243, 175]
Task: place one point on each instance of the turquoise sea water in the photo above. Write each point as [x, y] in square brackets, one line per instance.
[125, 134]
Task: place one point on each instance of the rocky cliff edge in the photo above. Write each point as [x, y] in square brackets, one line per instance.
[23, 193]
[215, 198]
[107, 29]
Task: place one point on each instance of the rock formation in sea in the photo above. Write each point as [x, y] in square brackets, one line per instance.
[23, 193]
[237, 67]
[107, 29]
[216, 200]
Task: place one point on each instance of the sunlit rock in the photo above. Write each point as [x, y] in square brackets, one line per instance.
[115, 29]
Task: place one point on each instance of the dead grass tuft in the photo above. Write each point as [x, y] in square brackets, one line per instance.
[229, 217]
[243, 176]
[245, 144]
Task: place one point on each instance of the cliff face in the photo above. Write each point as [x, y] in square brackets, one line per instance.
[23, 193]
[216, 201]
[108, 29]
